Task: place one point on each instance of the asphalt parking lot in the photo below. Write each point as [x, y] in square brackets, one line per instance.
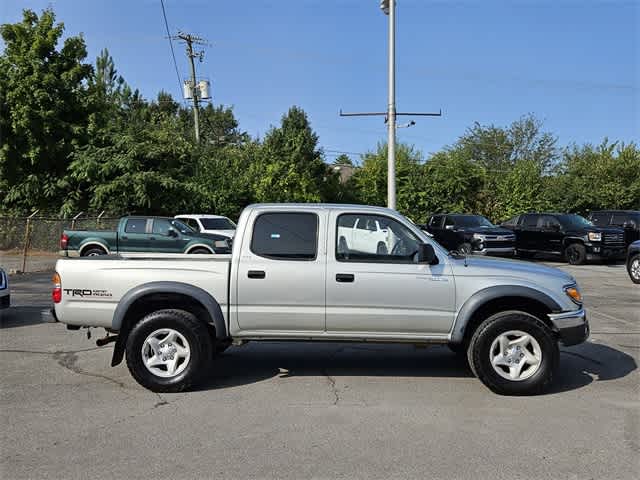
[298, 411]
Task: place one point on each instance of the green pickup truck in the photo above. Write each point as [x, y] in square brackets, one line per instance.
[140, 236]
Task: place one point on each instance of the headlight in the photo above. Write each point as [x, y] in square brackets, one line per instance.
[595, 236]
[573, 292]
[479, 236]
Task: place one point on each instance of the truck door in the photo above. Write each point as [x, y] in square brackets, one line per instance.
[134, 237]
[386, 294]
[165, 237]
[550, 234]
[527, 233]
[280, 283]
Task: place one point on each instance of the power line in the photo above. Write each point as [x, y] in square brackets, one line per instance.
[173, 53]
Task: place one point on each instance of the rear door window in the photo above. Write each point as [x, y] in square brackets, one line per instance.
[436, 221]
[286, 236]
[601, 219]
[619, 219]
[136, 225]
[530, 221]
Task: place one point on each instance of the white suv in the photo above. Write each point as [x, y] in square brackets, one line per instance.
[5, 294]
[209, 224]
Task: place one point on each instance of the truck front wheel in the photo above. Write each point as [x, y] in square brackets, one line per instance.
[168, 350]
[514, 353]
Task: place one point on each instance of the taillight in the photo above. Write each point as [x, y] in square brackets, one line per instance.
[56, 293]
[64, 240]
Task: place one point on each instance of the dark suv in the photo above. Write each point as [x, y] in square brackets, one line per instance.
[471, 234]
[627, 219]
[570, 235]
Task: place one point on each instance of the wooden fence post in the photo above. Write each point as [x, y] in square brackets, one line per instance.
[27, 240]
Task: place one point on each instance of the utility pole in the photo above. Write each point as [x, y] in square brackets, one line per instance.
[190, 41]
[389, 8]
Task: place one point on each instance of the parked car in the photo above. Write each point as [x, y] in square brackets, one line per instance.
[140, 236]
[629, 220]
[572, 236]
[5, 293]
[633, 261]
[215, 224]
[289, 279]
[365, 235]
[471, 234]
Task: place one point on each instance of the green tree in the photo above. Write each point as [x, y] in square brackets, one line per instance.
[43, 109]
[370, 180]
[591, 178]
[289, 167]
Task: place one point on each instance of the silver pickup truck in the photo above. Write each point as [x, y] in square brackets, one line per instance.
[292, 275]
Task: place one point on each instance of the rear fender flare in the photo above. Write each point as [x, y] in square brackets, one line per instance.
[124, 327]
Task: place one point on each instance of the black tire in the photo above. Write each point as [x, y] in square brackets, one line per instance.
[199, 343]
[465, 248]
[634, 266]
[575, 253]
[480, 350]
[200, 251]
[381, 249]
[93, 252]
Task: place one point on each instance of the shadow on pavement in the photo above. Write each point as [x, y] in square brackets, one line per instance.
[591, 362]
[22, 316]
[579, 366]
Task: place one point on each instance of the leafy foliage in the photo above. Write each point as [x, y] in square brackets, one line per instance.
[77, 137]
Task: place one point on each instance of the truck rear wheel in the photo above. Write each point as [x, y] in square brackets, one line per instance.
[168, 350]
[93, 252]
[514, 353]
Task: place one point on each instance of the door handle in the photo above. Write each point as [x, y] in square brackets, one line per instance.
[152, 238]
[124, 237]
[345, 277]
[256, 274]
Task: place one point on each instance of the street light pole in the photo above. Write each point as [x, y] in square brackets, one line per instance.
[389, 8]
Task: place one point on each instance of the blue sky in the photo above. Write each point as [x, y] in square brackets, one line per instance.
[574, 64]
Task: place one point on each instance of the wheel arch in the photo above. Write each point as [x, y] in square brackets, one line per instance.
[88, 243]
[153, 296]
[569, 240]
[193, 246]
[492, 300]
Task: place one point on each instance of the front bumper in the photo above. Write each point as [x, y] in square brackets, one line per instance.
[507, 251]
[599, 252]
[572, 327]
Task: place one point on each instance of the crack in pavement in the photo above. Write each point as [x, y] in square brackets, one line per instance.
[68, 360]
[332, 384]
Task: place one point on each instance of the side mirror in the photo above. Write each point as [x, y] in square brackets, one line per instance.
[426, 254]
[448, 227]
[172, 233]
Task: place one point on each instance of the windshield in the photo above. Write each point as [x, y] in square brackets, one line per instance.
[573, 221]
[472, 221]
[217, 224]
[182, 227]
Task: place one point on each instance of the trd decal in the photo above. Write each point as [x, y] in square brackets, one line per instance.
[82, 292]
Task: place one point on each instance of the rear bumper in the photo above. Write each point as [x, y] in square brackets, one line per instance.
[69, 253]
[572, 327]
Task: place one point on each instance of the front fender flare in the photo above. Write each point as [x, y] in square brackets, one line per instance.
[481, 297]
[205, 299]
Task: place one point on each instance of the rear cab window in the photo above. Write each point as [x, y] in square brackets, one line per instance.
[136, 225]
[601, 219]
[530, 221]
[286, 236]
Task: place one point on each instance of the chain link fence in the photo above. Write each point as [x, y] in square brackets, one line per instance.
[32, 243]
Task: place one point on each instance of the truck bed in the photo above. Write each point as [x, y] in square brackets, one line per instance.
[91, 299]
